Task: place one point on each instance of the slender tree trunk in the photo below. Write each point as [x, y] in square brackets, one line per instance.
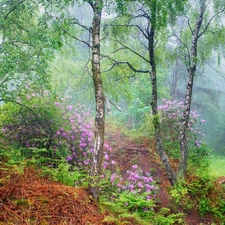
[159, 147]
[108, 107]
[173, 91]
[187, 107]
[99, 98]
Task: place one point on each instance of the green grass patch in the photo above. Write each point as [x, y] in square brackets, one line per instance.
[217, 165]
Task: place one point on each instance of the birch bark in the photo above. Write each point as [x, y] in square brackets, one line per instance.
[189, 89]
[96, 168]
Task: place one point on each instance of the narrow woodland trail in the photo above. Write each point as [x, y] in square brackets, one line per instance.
[127, 153]
[142, 152]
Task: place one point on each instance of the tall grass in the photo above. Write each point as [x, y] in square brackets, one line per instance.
[217, 165]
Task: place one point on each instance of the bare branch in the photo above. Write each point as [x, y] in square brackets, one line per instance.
[155, 43]
[104, 37]
[209, 22]
[119, 49]
[76, 22]
[76, 38]
[114, 104]
[138, 26]
[136, 53]
[188, 50]
[13, 9]
[142, 43]
[116, 63]
[141, 29]
[188, 23]
[145, 14]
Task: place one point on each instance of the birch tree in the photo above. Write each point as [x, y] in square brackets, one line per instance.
[99, 98]
[150, 19]
[199, 28]
[94, 47]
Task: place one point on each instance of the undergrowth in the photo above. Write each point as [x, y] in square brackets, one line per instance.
[200, 191]
[131, 201]
[123, 207]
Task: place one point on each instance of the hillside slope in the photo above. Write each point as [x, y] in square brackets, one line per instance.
[28, 199]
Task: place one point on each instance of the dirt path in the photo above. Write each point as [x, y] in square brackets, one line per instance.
[127, 153]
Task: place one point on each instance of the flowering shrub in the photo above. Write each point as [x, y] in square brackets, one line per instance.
[137, 182]
[171, 115]
[136, 192]
[75, 135]
[47, 122]
[31, 123]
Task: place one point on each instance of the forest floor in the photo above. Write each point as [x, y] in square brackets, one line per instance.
[26, 198]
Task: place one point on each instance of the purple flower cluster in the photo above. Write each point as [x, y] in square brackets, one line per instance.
[171, 115]
[52, 125]
[75, 135]
[137, 182]
[106, 159]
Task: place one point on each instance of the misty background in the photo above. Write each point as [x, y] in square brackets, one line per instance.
[71, 76]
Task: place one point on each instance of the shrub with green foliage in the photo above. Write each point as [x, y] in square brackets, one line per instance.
[30, 122]
[47, 122]
[200, 190]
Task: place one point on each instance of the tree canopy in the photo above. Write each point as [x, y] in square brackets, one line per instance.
[27, 43]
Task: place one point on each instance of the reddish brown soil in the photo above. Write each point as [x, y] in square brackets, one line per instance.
[127, 153]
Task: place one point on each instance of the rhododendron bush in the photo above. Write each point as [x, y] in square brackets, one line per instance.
[170, 118]
[136, 190]
[37, 121]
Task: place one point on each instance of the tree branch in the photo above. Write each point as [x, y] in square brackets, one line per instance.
[136, 53]
[76, 22]
[188, 23]
[5, 17]
[117, 107]
[142, 43]
[116, 63]
[207, 25]
[74, 37]
[188, 50]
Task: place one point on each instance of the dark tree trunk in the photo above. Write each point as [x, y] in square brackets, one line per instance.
[187, 107]
[159, 147]
[96, 168]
